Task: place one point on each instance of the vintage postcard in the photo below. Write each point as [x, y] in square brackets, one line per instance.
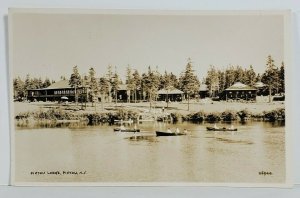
[129, 97]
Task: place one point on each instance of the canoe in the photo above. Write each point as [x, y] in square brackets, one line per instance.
[220, 129]
[126, 130]
[161, 133]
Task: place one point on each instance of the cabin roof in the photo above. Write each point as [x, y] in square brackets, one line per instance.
[62, 84]
[122, 87]
[259, 84]
[170, 91]
[239, 86]
[203, 87]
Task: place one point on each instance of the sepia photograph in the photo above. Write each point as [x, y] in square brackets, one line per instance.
[136, 97]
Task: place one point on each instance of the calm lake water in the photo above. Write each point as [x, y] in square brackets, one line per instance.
[102, 155]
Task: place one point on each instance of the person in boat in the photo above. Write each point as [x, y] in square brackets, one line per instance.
[185, 131]
[215, 126]
[122, 127]
[231, 127]
[177, 130]
[135, 128]
[169, 130]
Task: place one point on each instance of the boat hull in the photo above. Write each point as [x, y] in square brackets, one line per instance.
[161, 133]
[220, 129]
[127, 130]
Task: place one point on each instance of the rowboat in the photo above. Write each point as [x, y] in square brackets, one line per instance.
[124, 121]
[162, 133]
[126, 130]
[220, 129]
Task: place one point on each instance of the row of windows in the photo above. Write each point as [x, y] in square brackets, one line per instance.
[57, 92]
[64, 92]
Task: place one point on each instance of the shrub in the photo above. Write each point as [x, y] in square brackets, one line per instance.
[243, 114]
[229, 115]
[212, 117]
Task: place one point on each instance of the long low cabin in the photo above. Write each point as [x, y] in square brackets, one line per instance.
[56, 91]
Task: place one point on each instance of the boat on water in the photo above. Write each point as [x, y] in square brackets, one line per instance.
[221, 129]
[124, 121]
[163, 133]
[126, 130]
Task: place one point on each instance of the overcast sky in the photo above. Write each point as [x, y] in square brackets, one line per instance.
[49, 45]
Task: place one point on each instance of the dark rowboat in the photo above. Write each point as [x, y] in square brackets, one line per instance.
[220, 129]
[126, 130]
[161, 133]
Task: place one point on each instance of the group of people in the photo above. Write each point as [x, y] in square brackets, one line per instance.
[216, 127]
[176, 130]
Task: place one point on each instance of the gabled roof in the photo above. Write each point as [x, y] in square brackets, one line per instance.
[203, 87]
[239, 86]
[62, 84]
[170, 91]
[122, 87]
[259, 84]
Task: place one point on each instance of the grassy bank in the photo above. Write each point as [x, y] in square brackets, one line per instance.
[59, 114]
[231, 115]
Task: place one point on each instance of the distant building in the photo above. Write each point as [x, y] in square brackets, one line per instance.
[261, 88]
[123, 94]
[240, 91]
[172, 94]
[203, 91]
[58, 91]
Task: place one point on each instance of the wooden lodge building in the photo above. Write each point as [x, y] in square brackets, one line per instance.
[173, 95]
[240, 91]
[58, 91]
[203, 91]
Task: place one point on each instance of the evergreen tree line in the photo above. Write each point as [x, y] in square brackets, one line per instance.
[145, 86]
[273, 77]
[21, 86]
[138, 86]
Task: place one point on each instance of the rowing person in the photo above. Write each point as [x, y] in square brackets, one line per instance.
[169, 130]
[185, 131]
[215, 126]
[231, 127]
[177, 130]
[122, 127]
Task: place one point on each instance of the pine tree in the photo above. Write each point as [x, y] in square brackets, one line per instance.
[281, 78]
[270, 77]
[115, 85]
[104, 87]
[93, 85]
[75, 81]
[46, 83]
[150, 83]
[212, 81]
[250, 76]
[110, 81]
[136, 83]
[189, 82]
[229, 77]
[168, 85]
[19, 88]
[129, 83]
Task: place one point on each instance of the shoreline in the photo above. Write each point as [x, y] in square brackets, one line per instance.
[212, 111]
